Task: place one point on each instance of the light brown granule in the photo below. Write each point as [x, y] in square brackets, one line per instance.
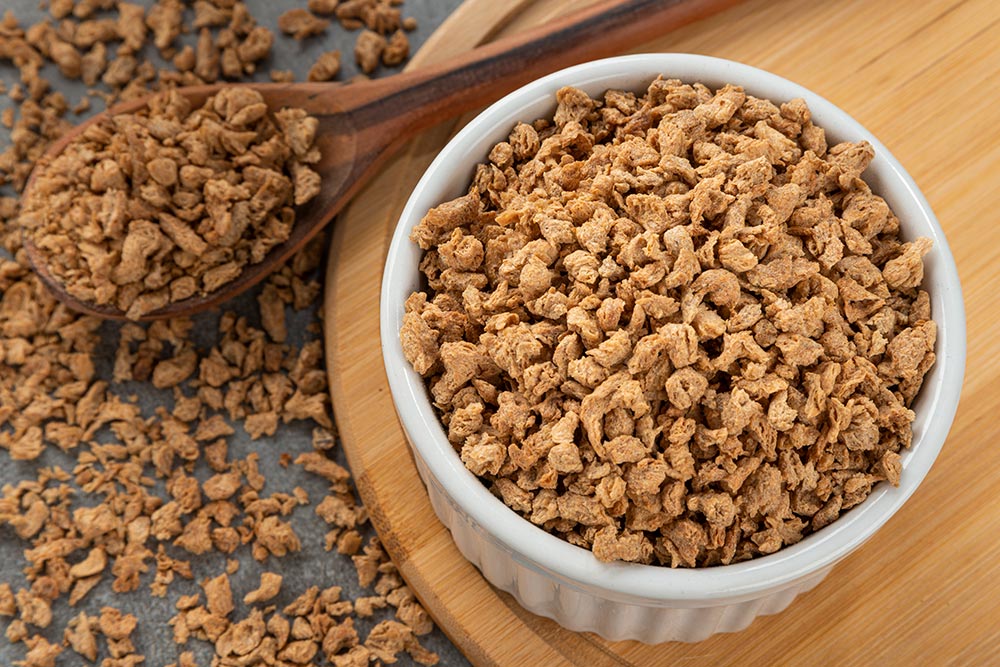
[270, 584]
[397, 50]
[326, 68]
[143, 204]
[673, 328]
[301, 23]
[282, 76]
[324, 7]
[368, 50]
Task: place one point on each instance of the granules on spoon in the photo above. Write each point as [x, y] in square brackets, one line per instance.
[171, 202]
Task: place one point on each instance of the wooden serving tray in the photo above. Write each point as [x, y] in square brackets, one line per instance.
[925, 78]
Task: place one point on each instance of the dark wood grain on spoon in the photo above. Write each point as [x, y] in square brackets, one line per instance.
[362, 124]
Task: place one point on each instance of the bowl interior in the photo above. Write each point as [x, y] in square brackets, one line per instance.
[449, 176]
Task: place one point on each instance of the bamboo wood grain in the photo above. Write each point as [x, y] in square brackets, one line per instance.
[924, 78]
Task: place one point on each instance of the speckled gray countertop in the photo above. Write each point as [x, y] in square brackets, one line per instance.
[312, 565]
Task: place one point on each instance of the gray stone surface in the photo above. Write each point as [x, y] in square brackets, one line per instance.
[313, 565]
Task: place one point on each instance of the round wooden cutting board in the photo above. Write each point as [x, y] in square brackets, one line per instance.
[891, 601]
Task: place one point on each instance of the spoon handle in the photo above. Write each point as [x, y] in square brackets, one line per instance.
[407, 103]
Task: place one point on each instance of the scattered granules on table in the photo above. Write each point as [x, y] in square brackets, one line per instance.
[301, 23]
[108, 52]
[146, 495]
[154, 207]
[673, 328]
[383, 39]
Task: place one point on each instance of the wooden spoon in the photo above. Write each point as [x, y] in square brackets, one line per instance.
[362, 124]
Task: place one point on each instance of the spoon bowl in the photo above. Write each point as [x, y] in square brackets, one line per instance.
[362, 124]
[337, 140]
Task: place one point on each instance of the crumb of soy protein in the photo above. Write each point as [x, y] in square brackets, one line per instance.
[301, 23]
[326, 68]
[368, 50]
[282, 76]
[323, 7]
[397, 49]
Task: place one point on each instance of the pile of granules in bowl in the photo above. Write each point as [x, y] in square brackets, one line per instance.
[171, 492]
[673, 328]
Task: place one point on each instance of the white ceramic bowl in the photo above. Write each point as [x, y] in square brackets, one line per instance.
[551, 577]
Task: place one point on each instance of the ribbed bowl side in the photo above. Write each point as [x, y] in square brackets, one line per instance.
[577, 609]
